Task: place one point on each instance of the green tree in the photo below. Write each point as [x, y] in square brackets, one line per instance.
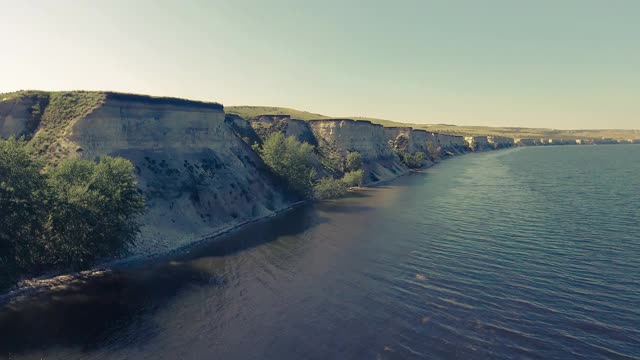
[353, 178]
[95, 212]
[353, 161]
[22, 207]
[412, 161]
[78, 212]
[329, 188]
[291, 160]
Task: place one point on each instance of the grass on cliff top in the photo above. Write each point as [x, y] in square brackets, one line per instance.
[250, 112]
[21, 93]
[61, 112]
[60, 109]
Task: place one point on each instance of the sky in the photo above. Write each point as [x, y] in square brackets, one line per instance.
[563, 64]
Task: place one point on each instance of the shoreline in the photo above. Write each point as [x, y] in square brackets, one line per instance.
[61, 280]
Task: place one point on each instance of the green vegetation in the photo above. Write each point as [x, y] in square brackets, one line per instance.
[330, 188]
[353, 178]
[68, 217]
[62, 110]
[250, 112]
[353, 161]
[290, 160]
[414, 161]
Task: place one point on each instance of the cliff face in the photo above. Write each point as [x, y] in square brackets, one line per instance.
[340, 136]
[500, 142]
[265, 125]
[195, 164]
[451, 145]
[20, 116]
[333, 139]
[408, 140]
[482, 143]
[197, 175]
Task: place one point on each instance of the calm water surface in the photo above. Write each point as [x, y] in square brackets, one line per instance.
[530, 253]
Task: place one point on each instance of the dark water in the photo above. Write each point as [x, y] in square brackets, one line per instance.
[529, 253]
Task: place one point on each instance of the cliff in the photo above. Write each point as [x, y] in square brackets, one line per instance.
[198, 176]
[21, 115]
[265, 125]
[450, 145]
[482, 143]
[337, 137]
[333, 139]
[195, 164]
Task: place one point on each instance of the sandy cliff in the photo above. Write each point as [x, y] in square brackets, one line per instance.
[197, 175]
[340, 136]
[333, 139]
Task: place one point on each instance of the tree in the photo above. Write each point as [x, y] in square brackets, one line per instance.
[353, 161]
[412, 161]
[22, 207]
[291, 160]
[78, 212]
[329, 188]
[353, 178]
[95, 212]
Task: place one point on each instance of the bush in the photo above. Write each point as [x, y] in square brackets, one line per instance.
[414, 161]
[23, 201]
[354, 161]
[96, 209]
[291, 160]
[353, 178]
[79, 212]
[330, 188]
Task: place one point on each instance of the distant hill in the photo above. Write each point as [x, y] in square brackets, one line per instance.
[249, 112]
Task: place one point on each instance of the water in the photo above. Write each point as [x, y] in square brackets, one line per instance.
[530, 253]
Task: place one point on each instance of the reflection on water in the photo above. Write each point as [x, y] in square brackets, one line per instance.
[498, 255]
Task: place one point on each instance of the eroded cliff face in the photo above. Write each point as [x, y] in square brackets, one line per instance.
[341, 136]
[483, 143]
[198, 176]
[20, 116]
[500, 142]
[408, 140]
[265, 125]
[450, 145]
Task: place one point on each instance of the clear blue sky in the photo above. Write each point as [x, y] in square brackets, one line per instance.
[545, 63]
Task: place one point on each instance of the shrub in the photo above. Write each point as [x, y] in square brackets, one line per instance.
[78, 212]
[353, 178]
[353, 161]
[95, 211]
[414, 161]
[22, 207]
[330, 188]
[291, 160]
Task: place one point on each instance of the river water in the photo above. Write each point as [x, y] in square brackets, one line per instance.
[528, 253]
